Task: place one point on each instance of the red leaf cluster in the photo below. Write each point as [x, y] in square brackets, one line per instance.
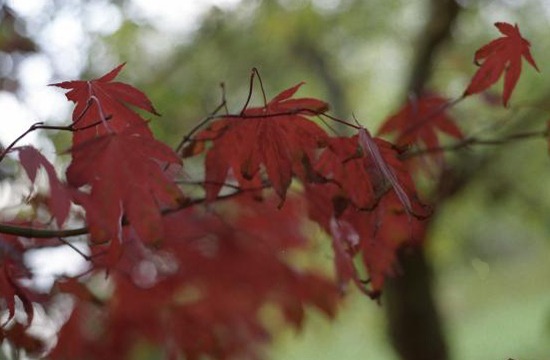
[369, 206]
[339, 174]
[116, 155]
[203, 293]
[195, 281]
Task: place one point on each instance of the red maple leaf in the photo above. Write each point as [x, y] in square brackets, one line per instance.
[12, 272]
[501, 55]
[277, 136]
[59, 199]
[125, 174]
[418, 121]
[103, 105]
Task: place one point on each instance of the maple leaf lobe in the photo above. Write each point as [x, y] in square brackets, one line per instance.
[59, 199]
[277, 136]
[127, 178]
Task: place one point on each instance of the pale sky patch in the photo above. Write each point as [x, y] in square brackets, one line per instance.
[177, 16]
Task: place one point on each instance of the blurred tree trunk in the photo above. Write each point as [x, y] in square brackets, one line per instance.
[414, 323]
[310, 53]
[443, 14]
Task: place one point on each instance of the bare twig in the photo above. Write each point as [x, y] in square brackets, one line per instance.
[429, 116]
[250, 88]
[187, 137]
[31, 232]
[78, 251]
[340, 121]
[261, 85]
[41, 126]
[478, 142]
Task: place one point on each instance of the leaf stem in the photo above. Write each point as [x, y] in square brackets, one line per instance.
[340, 121]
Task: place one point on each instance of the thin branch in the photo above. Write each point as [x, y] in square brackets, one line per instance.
[203, 122]
[261, 85]
[75, 129]
[333, 130]
[201, 183]
[84, 111]
[340, 121]
[250, 88]
[308, 112]
[40, 126]
[223, 101]
[429, 116]
[78, 251]
[478, 142]
[214, 116]
[33, 127]
[30, 232]
[187, 137]
[198, 201]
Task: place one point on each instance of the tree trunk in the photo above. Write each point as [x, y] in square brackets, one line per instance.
[414, 323]
[415, 326]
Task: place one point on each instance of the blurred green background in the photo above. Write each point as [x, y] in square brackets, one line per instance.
[489, 245]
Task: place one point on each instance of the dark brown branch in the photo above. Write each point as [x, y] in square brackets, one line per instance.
[340, 121]
[33, 127]
[62, 233]
[471, 141]
[77, 250]
[202, 183]
[30, 232]
[187, 137]
[432, 114]
[214, 116]
[250, 88]
[253, 73]
[261, 85]
[40, 125]
[443, 14]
